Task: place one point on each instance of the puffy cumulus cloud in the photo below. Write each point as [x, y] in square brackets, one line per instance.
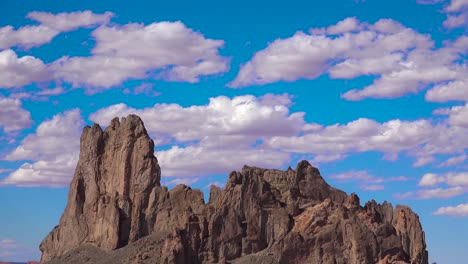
[27, 36]
[13, 116]
[456, 5]
[441, 193]
[20, 71]
[241, 117]
[402, 60]
[347, 25]
[228, 130]
[53, 150]
[410, 78]
[353, 176]
[50, 26]
[63, 22]
[198, 159]
[457, 14]
[453, 161]
[360, 135]
[457, 115]
[55, 172]
[403, 196]
[450, 178]
[459, 210]
[457, 183]
[419, 138]
[318, 159]
[456, 10]
[265, 123]
[366, 181]
[451, 91]
[167, 50]
[430, 179]
[455, 21]
[437, 193]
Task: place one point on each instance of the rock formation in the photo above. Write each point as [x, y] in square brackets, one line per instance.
[113, 180]
[118, 212]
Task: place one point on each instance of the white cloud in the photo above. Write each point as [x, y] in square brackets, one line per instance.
[246, 117]
[327, 158]
[367, 181]
[372, 187]
[144, 88]
[453, 161]
[458, 182]
[203, 159]
[402, 60]
[11, 249]
[17, 72]
[347, 25]
[419, 138]
[457, 115]
[167, 50]
[63, 22]
[429, 2]
[442, 193]
[13, 116]
[186, 181]
[449, 178]
[430, 179]
[423, 160]
[456, 5]
[352, 68]
[54, 172]
[386, 25]
[359, 135]
[53, 148]
[27, 36]
[50, 26]
[53, 91]
[459, 210]
[228, 130]
[410, 78]
[455, 21]
[451, 91]
[457, 14]
[403, 196]
[353, 176]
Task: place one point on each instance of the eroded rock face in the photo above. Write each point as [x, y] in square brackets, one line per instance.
[261, 216]
[111, 188]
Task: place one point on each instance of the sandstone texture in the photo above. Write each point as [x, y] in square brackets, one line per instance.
[118, 212]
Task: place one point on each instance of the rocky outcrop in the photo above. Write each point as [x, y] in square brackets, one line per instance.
[113, 180]
[117, 212]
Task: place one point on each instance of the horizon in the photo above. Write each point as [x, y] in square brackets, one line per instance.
[372, 93]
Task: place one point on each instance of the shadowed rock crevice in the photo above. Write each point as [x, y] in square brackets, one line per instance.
[118, 212]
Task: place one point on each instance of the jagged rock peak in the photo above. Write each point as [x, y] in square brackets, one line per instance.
[109, 193]
[117, 212]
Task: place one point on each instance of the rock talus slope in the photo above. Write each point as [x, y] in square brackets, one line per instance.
[118, 212]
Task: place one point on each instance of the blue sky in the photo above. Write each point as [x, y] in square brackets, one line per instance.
[374, 93]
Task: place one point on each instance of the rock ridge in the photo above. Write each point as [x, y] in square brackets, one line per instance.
[118, 212]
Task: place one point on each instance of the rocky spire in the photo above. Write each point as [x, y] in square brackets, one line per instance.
[109, 193]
